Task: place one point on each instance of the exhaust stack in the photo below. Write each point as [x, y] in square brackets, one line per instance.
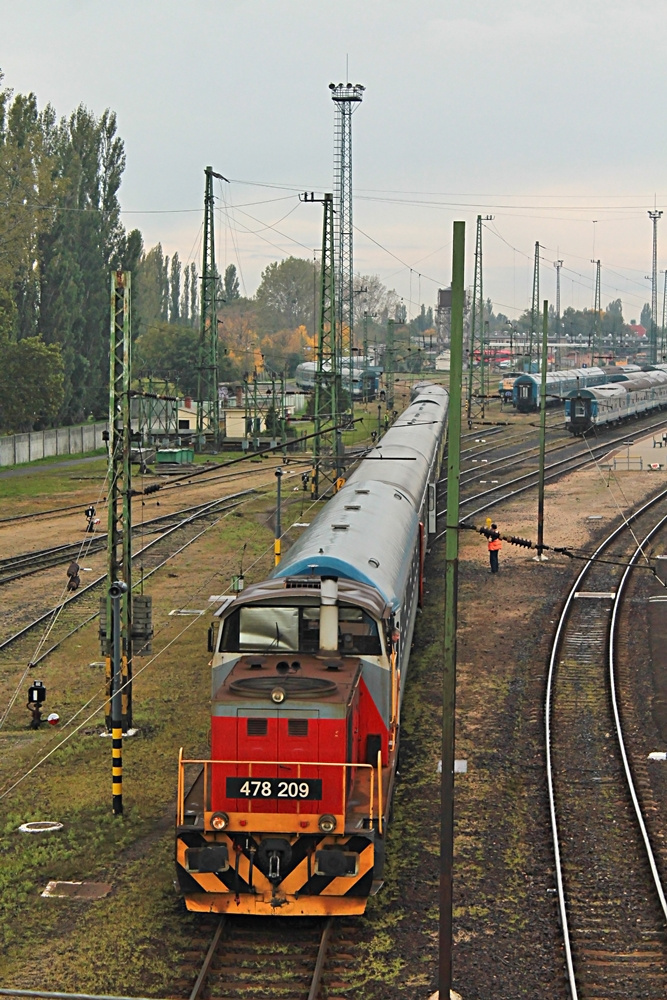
[329, 613]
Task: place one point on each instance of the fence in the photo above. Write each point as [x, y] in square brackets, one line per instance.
[17, 449]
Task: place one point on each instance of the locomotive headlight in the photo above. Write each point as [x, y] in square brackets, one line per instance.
[277, 695]
[327, 823]
[220, 821]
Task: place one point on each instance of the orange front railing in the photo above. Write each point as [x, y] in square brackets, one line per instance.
[374, 810]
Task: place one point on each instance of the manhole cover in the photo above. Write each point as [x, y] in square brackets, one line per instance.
[41, 826]
[78, 890]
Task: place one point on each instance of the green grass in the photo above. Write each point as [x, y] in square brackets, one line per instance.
[55, 481]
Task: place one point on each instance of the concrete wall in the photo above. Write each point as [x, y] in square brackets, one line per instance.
[17, 449]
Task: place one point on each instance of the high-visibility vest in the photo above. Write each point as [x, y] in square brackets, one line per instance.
[495, 544]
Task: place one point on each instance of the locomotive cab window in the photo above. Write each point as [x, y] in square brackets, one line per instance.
[297, 629]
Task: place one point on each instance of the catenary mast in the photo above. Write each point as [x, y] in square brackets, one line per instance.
[653, 356]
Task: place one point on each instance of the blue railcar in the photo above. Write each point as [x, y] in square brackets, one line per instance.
[364, 383]
[614, 402]
[527, 387]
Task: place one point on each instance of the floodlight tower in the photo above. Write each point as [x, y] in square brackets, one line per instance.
[346, 97]
[653, 356]
[597, 309]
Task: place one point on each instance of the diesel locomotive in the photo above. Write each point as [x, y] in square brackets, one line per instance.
[308, 670]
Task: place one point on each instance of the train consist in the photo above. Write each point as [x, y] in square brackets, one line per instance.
[365, 378]
[527, 387]
[308, 671]
[615, 402]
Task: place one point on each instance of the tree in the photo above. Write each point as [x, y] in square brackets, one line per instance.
[185, 297]
[175, 289]
[147, 287]
[645, 320]
[171, 352]
[231, 284]
[31, 382]
[373, 297]
[287, 295]
[193, 294]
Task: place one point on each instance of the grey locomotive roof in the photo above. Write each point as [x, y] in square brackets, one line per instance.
[297, 587]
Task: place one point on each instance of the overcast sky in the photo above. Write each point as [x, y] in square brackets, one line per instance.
[546, 115]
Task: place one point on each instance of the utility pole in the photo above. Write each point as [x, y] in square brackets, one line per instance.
[389, 366]
[346, 97]
[208, 404]
[558, 264]
[451, 598]
[597, 310]
[543, 431]
[653, 356]
[662, 335]
[327, 376]
[476, 376]
[534, 309]
[115, 628]
[117, 591]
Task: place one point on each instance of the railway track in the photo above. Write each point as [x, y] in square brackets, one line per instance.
[497, 493]
[27, 563]
[265, 958]
[610, 898]
[82, 607]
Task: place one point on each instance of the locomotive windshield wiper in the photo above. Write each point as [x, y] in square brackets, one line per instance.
[278, 637]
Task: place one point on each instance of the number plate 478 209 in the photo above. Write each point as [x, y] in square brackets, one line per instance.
[274, 788]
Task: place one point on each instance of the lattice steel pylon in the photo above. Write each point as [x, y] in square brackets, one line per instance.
[477, 375]
[535, 310]
[119, 501]
[208, 403]
[597, 310]
[653, 343]
[326, 413]
[346, 97]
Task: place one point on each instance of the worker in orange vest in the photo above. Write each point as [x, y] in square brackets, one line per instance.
[495, 546]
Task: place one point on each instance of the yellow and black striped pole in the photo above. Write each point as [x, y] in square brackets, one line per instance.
[276, 544]
[116, 591]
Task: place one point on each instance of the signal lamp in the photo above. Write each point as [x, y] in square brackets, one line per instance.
[220, 821]
[278, 695]
[327, 823]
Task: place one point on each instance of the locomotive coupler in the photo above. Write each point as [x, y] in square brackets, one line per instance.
[274, 866]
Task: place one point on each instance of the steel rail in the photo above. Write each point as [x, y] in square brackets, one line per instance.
[555, 650]
[80, 593]
[557, 471]
[314, 990]
[50, 557]
[203, 972]
[613, 628]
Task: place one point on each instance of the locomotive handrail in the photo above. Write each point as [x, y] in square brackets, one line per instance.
[344, 765]
[380, 792]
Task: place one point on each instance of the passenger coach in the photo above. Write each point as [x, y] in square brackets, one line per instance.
[615, 402]
[527, 387]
